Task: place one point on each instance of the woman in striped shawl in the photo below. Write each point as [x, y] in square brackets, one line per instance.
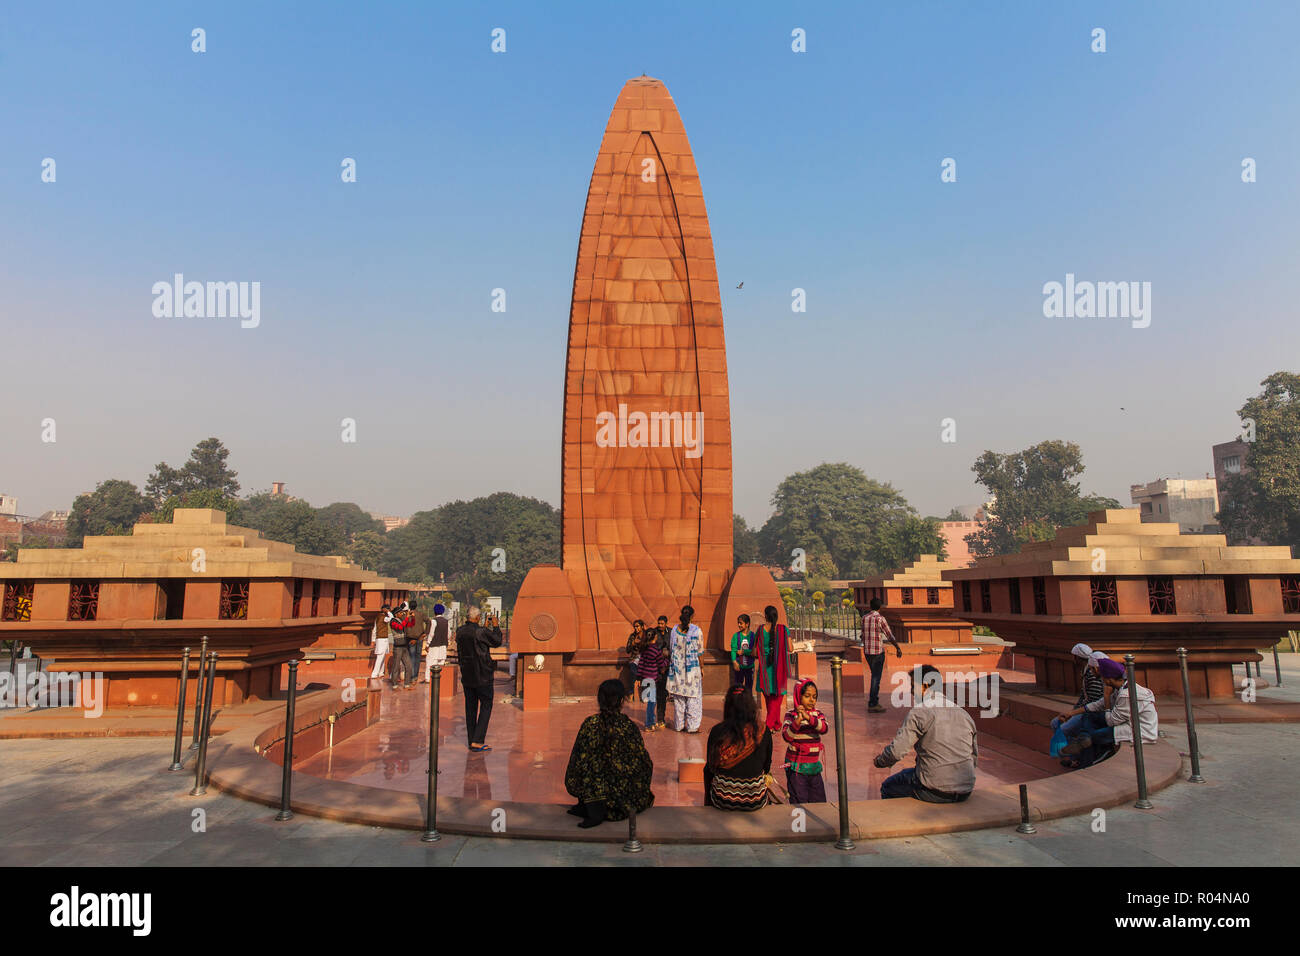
[737, 773]
[1092, 689]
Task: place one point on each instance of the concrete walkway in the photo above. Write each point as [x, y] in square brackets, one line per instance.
[109, 802]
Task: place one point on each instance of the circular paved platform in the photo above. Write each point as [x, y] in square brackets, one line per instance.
[378, 777]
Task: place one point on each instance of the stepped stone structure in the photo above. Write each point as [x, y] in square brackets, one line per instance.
[917, 602]
[646, 500]
[126, 605]
[1121, 586]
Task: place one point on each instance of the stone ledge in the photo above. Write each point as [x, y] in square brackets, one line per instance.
[238, 770]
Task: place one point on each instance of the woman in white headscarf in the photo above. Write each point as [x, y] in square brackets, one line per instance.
[1092, 689]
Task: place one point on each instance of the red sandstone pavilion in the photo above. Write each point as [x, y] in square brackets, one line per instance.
[647, 517]
[1124, 586]
[126, 605]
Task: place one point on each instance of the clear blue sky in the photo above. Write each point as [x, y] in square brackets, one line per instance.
[820, 171]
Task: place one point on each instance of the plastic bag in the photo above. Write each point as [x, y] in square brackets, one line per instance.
[1058, 743]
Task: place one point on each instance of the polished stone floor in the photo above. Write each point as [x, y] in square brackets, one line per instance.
[531, 751]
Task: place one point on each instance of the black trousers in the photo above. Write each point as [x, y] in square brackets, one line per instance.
[478, 711]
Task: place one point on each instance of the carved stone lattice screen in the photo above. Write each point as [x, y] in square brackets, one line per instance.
[1105, 595]
[18, 601]
[1040, 595]
[83, 601]
[1291, 595]
[1160, 592]
[234, 601]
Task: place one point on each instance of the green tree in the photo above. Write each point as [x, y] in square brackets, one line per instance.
[367, 549]
[1263, 500]
[199, 498]
[293, 522]
[349, 520]
[1034, 493]
[461, 540]
[836, 510]
[206, 470]
[745, 541]
[955, 514]
[901, 542]
[112, 508]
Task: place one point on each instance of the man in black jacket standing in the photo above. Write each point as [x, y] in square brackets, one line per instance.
[474, 643]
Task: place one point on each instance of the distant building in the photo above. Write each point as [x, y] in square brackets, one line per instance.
[1230, 458]
[954, 537]
[1190, 503]
[8, 505]
[390, 521]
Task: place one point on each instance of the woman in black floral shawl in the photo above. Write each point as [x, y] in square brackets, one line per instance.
[609, 768]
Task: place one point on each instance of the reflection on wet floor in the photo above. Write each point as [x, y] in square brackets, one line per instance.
[531, 751]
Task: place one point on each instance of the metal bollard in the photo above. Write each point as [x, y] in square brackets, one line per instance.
[180, 710]
[1191, 721]
[431, 834]
[286, 775]
[633, 845]
[201, 764]
[1277, 666]
[837, 683]
[1142, 802]
[198, 691]
[1025, 825]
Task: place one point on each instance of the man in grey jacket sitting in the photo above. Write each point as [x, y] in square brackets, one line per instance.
[943, 736]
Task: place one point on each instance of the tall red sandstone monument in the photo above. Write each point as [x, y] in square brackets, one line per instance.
[647, 519]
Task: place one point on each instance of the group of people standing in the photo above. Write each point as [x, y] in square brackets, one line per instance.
[405, 635]
[665, 665]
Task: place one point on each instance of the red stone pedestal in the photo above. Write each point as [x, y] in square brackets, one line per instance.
[537, 690]
[854, 672]
[690, 771]
[805, 665]
[449, 682]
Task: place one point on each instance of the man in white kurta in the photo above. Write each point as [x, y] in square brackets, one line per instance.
[685, 680]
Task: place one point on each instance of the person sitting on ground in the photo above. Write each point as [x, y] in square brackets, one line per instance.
[802, 732]
[1105, 729]
[1092, 689]
[609, 768]
[738, 771]
[943, 736]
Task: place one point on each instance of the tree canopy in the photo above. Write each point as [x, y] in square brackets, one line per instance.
[1034, 493]
[1263, 500]
[206, 470]
[112, 508]
[846, 524]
